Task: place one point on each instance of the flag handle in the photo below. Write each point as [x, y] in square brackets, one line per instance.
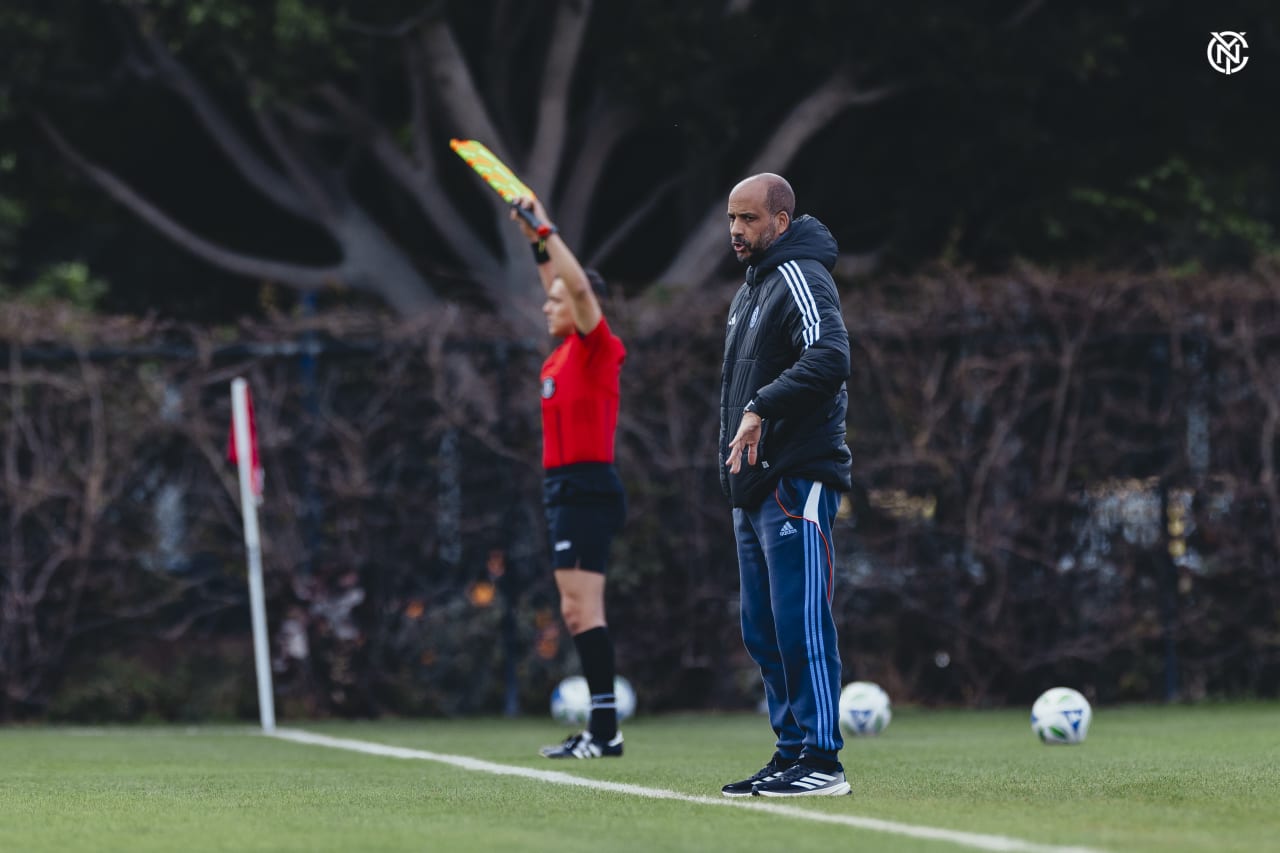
[253, 545]
[527, 215]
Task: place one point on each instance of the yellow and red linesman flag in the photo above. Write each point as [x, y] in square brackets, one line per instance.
[494, 171]
[259, 477]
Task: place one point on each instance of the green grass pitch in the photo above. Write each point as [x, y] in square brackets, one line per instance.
[1149, 778]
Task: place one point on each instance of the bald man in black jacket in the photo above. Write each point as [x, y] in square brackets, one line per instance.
[785, 462]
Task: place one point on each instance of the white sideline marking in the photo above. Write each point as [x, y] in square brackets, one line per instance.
[964, 839]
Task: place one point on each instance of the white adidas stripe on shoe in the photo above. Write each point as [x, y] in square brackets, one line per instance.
[802, 781]
[583, 745]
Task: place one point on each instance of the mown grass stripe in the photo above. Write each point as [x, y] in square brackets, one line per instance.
[977, 841]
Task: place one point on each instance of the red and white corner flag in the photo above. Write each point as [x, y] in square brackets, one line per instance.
[244, 450]
[258, 479]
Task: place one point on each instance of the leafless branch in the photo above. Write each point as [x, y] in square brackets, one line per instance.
[704, 250]
[223, 132]
[563, 51]
[401, 29]
[306, 278]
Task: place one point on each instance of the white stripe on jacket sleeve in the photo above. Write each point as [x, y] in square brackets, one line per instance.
[803, 296]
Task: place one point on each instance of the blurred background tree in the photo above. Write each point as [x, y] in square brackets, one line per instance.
[229, 153]
[1059, 227]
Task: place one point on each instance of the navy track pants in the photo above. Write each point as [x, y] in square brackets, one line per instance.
[787, 571]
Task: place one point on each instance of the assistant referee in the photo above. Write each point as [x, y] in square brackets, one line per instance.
[583, 495]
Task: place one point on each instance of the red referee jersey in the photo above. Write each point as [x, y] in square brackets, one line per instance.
[580, 397]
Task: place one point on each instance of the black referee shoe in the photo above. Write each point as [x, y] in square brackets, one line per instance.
[583, 745]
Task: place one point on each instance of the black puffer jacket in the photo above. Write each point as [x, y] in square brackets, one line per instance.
[786, 347]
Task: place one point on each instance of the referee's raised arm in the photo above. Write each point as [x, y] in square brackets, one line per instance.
[556, 261]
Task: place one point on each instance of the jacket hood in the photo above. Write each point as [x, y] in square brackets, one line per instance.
[807, 238]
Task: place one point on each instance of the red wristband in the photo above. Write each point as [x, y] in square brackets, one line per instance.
[544, 230]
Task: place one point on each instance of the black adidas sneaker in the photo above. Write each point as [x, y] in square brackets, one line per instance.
[583, 745]
[801, 780]
[746, 787]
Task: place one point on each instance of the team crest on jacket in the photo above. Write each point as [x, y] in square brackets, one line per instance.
[755, 315]
[548, 388]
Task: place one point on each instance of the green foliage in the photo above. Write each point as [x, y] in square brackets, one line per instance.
[186, 682]
[13, 210]
[1194, 215]
[297, 21]
[278, 45]
[117, 690]
[69, 281]
[13, 214]
[1091, 134]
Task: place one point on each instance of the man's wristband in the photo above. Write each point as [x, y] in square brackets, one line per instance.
[545, 230]
[540, 251]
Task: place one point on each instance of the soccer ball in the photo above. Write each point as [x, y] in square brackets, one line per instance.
[1061, 715]
[864, 709]
[571, 700]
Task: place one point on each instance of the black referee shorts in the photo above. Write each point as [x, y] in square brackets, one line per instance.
[585, 506]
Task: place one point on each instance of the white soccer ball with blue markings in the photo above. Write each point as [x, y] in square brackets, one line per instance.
[571, 700]
[1061, 715]
[864, 709]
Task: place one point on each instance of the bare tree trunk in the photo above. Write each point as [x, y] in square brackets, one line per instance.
[373, 263]
[289, 159]
[708, 244]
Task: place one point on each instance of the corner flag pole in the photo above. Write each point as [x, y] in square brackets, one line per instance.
[252, 543]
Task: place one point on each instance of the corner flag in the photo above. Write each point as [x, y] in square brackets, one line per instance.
[258, 478]
[244, 446]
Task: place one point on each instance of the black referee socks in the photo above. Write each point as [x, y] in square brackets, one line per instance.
[595, 651]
